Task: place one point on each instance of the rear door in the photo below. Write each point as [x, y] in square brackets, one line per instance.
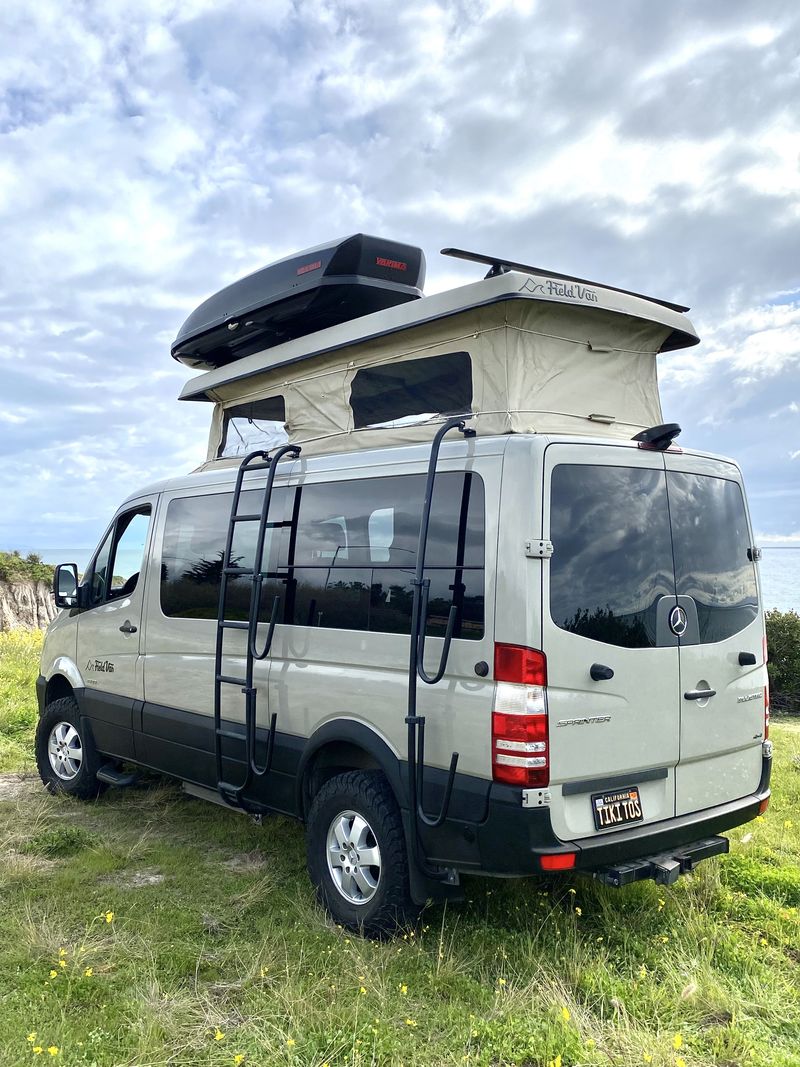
[607, 595]
[722, 699]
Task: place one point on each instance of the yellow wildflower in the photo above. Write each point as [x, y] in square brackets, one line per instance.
[53, 1050]
[501, 981]
[62, 952]
[677, 1041]
[362, 989]
[32, 1036]
[590, 1042]
[218, 1035]
[578, 912]
[238, 1059]
[88, 972]
[37, 1050]
[565, 1015]
[787, 824]
[643, 971]
[54, 974]
[62, 963]
[109, 916]
[647, 1057]
[403, 989]
[410, 1022]
[661, 904]
[680, 1062]
[290, 1042]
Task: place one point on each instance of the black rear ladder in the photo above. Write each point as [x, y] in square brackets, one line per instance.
[416, 669]
[234, 792]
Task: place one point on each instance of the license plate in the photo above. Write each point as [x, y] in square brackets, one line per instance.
[617, 808]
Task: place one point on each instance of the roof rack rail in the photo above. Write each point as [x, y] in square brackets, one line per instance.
[502, 266]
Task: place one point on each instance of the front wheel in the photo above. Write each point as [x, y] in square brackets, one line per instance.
[65, 754]
[357, 854]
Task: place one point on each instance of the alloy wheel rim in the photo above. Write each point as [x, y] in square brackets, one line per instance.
[65, 751]
[354, 857]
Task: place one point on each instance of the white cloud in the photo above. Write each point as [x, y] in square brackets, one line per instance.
[153, 151]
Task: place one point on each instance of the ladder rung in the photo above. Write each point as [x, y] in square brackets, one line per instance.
[229, 733]
[260, 466]
[230, 625]
[231, 681]
[245, 518]
[238, 570]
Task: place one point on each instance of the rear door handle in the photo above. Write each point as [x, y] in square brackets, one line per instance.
[600, 673]
[747, 659]
[126, 628]
[699, 694]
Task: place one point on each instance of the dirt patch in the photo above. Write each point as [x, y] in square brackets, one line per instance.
[14, 786]
[138, 879]
[245, 862]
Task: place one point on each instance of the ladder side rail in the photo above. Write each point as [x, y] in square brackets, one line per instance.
[219, 678]
[414, 722]
[253, 654]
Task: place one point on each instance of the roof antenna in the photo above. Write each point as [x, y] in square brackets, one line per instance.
[658, 438]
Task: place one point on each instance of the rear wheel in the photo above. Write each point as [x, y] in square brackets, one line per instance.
[65, 754]
[357, 854]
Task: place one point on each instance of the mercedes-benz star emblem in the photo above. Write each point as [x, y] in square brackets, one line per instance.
[678, 621]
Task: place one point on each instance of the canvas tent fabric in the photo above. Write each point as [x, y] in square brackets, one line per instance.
[536, 367]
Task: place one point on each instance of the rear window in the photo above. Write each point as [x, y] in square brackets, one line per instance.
[624, 537]
[613, 556]
[711, 539]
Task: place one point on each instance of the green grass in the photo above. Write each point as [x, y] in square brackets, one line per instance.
[215, 931]
[19, 666]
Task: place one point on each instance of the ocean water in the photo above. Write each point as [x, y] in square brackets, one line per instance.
[780, 578]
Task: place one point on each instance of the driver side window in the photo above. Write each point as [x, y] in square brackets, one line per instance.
[115, 573]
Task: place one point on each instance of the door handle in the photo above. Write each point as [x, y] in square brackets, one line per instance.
[600, 673]
[747, 659]
[699, 694]
[126, 628]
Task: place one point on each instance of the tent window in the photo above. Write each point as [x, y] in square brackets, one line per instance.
[259, 424]
[403, 394]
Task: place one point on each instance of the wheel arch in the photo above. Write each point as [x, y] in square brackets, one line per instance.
[344, 745]
[58, 685]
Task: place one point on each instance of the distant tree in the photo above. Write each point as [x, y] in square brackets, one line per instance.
[17, 568]
[783, 645]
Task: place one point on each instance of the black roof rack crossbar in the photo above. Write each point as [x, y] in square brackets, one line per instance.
[501, 266]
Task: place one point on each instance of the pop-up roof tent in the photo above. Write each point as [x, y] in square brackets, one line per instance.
[523, 350]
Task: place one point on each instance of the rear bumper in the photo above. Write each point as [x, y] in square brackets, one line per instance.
[512, 839]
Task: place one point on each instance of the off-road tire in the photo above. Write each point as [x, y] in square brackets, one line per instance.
[368, 794]
[84, 785]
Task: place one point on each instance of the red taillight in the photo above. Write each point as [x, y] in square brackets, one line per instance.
[513, 663]
[558, 861]
[762, 807]
[520, 739]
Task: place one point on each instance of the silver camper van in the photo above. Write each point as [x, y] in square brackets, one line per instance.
[447, 590]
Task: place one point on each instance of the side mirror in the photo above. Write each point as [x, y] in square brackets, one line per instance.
[65, 585]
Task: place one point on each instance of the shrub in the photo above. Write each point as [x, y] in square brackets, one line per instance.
[17, 568]
[783, 643]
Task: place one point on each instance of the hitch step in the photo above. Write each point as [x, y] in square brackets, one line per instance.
[665, 868]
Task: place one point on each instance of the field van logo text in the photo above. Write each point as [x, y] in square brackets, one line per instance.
[103, 665]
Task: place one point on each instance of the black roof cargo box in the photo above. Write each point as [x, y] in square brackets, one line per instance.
[301, 294]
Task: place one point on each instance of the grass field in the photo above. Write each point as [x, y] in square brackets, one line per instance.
[150, 929]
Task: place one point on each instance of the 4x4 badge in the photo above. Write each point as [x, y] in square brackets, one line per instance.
[678, 621]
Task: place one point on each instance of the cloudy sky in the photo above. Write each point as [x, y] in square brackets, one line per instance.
[152, 151]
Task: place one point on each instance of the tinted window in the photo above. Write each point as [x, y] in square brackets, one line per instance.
[192, 551]
[343, 557]
[248, 427]
[711, 540]
[612, 558]
[412, 390]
